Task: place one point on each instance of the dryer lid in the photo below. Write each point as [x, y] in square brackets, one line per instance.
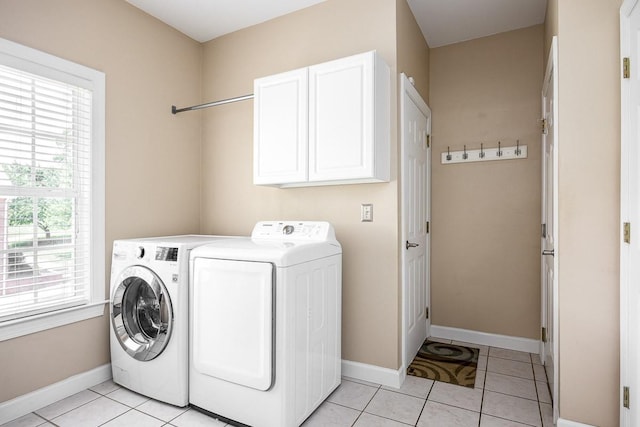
[277, 243]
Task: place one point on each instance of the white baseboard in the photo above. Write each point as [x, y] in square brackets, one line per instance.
[484, 338]
[567, 423]
[395, 378]
[374, 374]
[22, 405]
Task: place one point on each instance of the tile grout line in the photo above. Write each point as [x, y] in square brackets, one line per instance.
[361, 412]
[119, 415]
[539, 406]
[513, 395]
[378, 388]
[384, 418]
[134, 408]
[77, 407]
[535, 387]
[369, 402]
[421, 411]
[426, 399]
[354, 421]
[42, 418]
[512, 421]
[483, 390]
[513, 376]
[122, 403]
[484, 382]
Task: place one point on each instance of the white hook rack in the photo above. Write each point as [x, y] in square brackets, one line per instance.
[484, 154]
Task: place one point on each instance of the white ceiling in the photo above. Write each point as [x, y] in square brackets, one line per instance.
[203, 20]
[442, 21]
[445, 22]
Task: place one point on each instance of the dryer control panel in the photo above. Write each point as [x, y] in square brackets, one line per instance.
[294, 230]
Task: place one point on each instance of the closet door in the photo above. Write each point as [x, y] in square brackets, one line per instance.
[280, 141]
[341, 104]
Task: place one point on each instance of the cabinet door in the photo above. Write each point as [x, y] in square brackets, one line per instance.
[280, 139]
[341, 109]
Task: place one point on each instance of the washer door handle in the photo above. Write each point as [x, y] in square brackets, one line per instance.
[164, 312]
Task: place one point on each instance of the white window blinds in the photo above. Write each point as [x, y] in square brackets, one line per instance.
[45, 194]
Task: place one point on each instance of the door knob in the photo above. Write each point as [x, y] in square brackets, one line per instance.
[548, 252]
[411, 245]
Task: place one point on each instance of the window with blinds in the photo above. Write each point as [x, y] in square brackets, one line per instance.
[45, 193]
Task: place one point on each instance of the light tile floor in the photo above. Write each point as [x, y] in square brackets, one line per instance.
[510, 391]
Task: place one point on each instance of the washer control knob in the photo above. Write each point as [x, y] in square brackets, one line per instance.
[288, 229]
[139, 252]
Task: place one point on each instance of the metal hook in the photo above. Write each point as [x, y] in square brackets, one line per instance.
[448, 154]
[518, 151]
[482, 151]
[499, 153]
[465, 155]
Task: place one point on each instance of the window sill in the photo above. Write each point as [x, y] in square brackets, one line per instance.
[19, 327]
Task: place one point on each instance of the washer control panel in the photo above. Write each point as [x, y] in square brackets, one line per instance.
[166, 254]
[294, 230]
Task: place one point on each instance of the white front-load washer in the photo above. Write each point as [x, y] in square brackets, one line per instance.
[265, 327]
[149, 315]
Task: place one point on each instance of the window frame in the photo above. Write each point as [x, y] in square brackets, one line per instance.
[37, 62]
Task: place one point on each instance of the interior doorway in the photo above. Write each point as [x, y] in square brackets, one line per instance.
[416, 199]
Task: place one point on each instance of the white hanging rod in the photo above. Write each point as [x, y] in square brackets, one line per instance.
[175, 110]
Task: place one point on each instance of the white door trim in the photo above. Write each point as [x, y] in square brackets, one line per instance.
[628, 210]
[407, 90]
[552, 70]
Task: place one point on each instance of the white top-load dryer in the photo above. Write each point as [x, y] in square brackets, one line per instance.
[266, 323]
[149, 315]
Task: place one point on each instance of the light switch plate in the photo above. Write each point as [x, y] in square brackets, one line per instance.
[366, 212]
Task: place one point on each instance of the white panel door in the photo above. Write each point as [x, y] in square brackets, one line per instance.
[416, 126]
[630, 213]
[341, 110]
[549, 242]
[280, 140]
[233, 337]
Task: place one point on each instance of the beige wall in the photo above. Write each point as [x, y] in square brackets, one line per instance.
[589, 230]
[152, 157]
[550, 26]
[485, 265]
[413, 51]
[231, 204]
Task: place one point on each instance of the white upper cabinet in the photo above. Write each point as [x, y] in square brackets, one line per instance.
[347, 139]
[280, 149]
[345, 136]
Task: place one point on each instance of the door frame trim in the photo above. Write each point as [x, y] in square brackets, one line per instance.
[552, 66]
[627, 157]
[407, 90]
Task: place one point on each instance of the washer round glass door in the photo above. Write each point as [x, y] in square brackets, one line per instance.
[141, 313]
